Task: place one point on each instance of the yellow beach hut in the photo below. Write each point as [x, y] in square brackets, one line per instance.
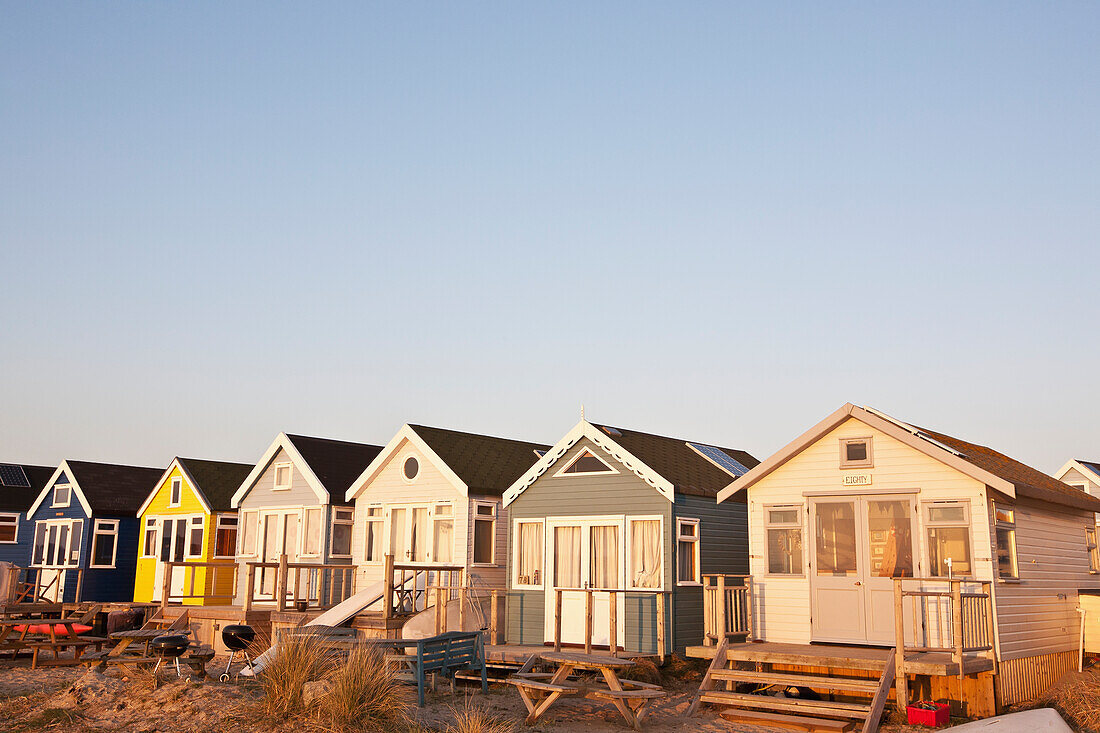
[188, 519]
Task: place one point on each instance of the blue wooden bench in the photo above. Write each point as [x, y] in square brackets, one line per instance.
[444, 654]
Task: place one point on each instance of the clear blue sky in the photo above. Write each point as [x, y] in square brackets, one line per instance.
[718, 221]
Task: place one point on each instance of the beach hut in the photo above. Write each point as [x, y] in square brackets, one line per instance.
[292, 507]
[188, 517]
[86, 530]
[611, 532]
[20, 485]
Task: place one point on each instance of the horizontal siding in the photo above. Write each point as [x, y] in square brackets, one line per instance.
[783, 609]
[1038, 615]
[263, 493]
[524, 617]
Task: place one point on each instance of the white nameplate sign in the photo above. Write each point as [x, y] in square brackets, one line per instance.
[857, 479]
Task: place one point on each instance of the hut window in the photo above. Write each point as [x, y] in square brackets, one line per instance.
[784, 530]
[687, 552]
[443, 533]
[225, 536]
[176, 493]
[948, 526]
[311, 534]
[104, 543]
[62, 496]
[856, 453]
[372, 551]
[149, 546]
[485, 520]
[1005, 520]
[340, 541]
[411, 468]
[586, 463]
[196, 537]
[250, 520]
[529, 553]
[645, 553]
[282, 476]
[1094, 553]
[9, 525]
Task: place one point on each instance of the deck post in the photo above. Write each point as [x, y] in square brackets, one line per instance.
[387, 588]
[165, 585]
[494, 612]
[990, 631]
[557, 619]
[251, 587]
[901, 682]
[721, 610]
[280, 585]
[748, 607]
[662, 645]
[461, 609]
[588, 621]
[613, 632]
[957, 625]
[79, 585]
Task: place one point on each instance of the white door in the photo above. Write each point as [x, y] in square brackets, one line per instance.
[173, 541]
[278, 536]
[57, 547]
[410, 534]
[861, 543]
[581, 553]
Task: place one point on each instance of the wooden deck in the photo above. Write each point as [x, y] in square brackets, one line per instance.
[838, 656]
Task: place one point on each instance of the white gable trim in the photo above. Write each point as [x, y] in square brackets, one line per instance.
[286, 444]
[1081, 468]
[48, 488]
[406, 433]
[585, 429]
[884, 425]
[190, 482]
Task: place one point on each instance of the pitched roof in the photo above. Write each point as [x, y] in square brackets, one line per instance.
[114, 489]
[675, 459]
[1091, 465]
[1028, 481]
[216, 480]
[487, 465]
[20, 498]
[336, 463]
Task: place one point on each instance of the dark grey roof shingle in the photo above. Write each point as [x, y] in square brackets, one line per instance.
[217, 480]
[488, 465]
[113, 489]
[336, 463]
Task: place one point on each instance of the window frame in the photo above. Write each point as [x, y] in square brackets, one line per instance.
[868, 462]
[1010, 526]
[581, 454]
[629, 550]
[349, 522]
[14, 517]
[797, 525]
[68, 499]
[195, 520]
[175, 493]
[368, 520]
[404, 462]
[697, 539]
[475, 518]
[434, 517]
[275, 485]
[218, 518]
[99, 529]
[1093, 549]
[515, 555]
[929, 523]
[303, 534]
[150, 524]
[242, 551]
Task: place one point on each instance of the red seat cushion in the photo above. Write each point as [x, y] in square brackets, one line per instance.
[57, 628]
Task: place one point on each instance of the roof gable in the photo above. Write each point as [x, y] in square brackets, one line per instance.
[104, 488]
[213, 482]
[1089, 470]
[669, 465]
[996, 470]
[18, 498]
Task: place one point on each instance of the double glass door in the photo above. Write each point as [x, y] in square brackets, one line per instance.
[56, 547]
[861, 543]
[278, 536]
[410, 537]
[173, 542]
[584, 553]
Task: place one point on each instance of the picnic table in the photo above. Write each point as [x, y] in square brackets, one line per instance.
[540, 690]
[53, 633]
[132, 649]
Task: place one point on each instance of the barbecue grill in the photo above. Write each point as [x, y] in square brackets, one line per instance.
[237, 638]
[169, 646]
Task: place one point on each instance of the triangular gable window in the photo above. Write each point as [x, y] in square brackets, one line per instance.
[587, 462]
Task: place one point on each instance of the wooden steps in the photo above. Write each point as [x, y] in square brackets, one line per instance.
[800, 713]
[789, 722]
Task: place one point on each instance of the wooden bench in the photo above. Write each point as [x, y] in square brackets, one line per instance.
[196, 657]
[444, 654]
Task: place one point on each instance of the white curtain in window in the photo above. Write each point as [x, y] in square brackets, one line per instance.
[603, 557]
[645, 553]
[420, 534]
[312, 533]
[567, 557]
[530, 553]
[444, 540]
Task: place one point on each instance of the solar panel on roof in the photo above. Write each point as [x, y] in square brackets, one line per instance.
[13, 476]
[720, 458]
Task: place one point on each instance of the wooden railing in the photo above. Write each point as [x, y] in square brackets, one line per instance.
[944, 615]
[24, 585]
[727, 608]
[411, 588]
[203, 586]
[292, 584]
[613, 594]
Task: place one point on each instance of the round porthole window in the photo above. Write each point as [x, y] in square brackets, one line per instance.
[412, 467]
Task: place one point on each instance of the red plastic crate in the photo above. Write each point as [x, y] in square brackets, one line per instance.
[935, 717]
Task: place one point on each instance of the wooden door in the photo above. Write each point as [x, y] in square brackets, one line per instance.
[838, 607]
